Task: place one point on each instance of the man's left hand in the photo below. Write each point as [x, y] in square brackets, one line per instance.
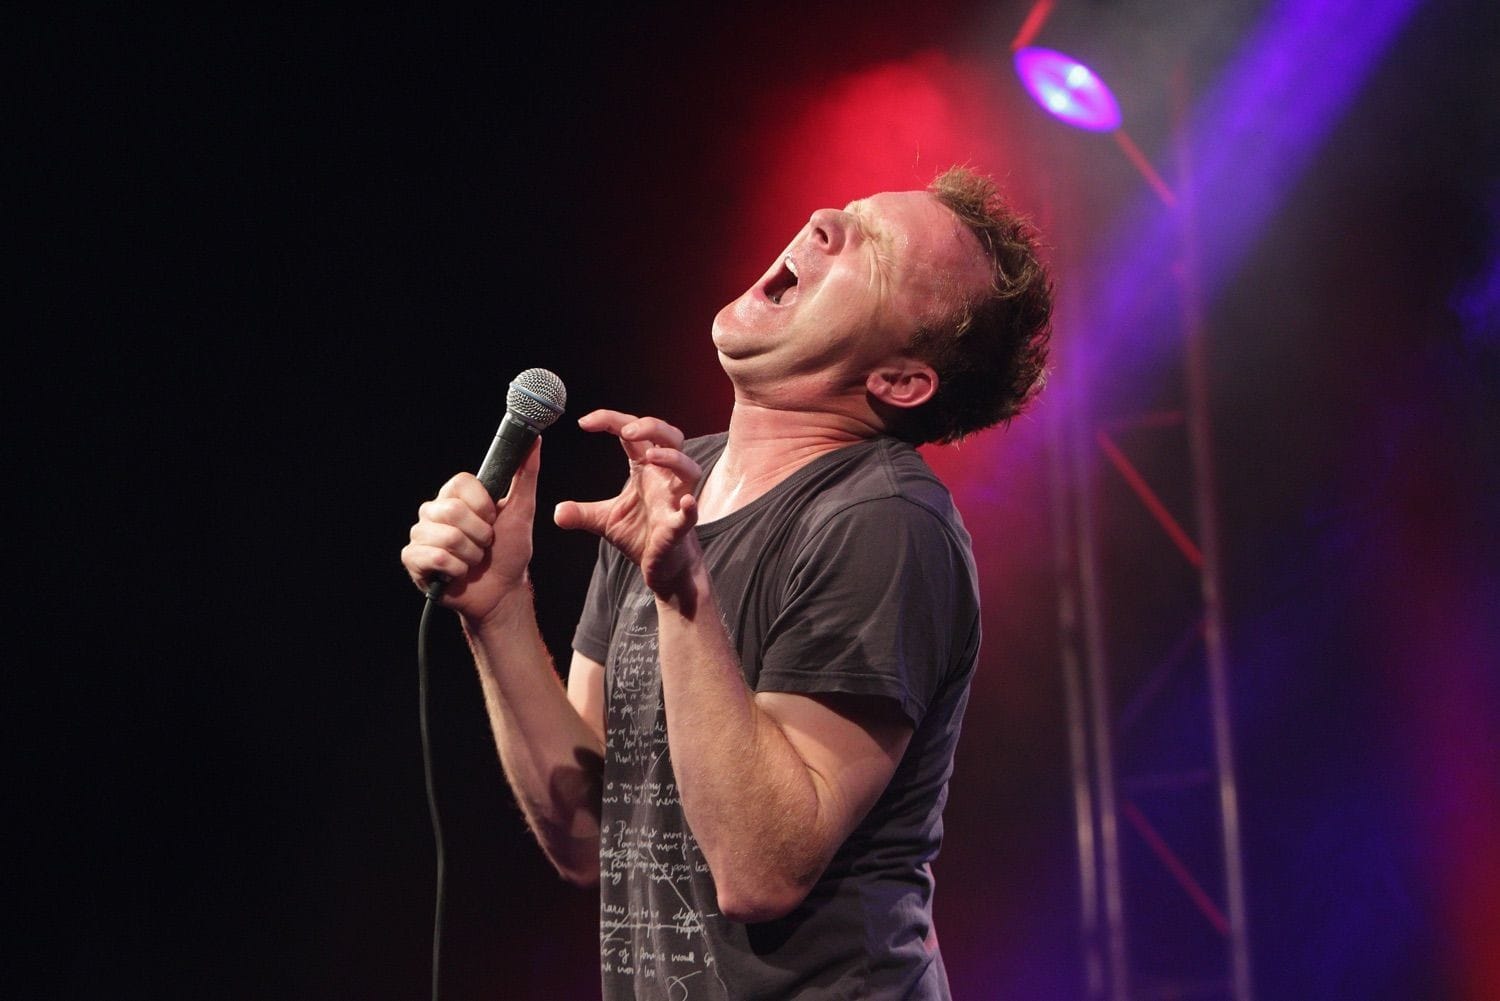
[651, 520]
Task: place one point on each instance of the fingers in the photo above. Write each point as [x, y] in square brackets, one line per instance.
[442, 544]
[466, 488]
[453, 533]
[657, 432]
[462, 514]
[630, 428]
[431, 531]
[672, 492]
[686, 514]
[676, 462]
[426, 564]
[605, 420]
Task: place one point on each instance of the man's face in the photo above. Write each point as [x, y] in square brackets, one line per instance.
[849, 293]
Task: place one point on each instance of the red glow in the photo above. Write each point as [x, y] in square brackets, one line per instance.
[1436, 626]
[889, 127]
[1453, 742]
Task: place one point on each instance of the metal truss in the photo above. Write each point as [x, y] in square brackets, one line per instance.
[1146, 671]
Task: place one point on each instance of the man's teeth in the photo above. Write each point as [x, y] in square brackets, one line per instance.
[791, 269]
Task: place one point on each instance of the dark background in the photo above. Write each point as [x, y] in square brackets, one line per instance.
[277, 270]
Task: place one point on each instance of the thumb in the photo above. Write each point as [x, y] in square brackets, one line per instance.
[591, 516]
[522, 495]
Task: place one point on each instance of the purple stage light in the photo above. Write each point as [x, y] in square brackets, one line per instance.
[1068, 89]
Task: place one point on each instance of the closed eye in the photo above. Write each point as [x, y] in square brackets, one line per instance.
[868, 228]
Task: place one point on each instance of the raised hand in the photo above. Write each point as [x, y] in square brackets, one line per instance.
[651, 520]
[480, 547]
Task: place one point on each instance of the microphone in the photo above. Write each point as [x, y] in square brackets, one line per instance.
[533, 403]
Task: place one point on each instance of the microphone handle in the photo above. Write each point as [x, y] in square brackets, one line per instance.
[510, 446]
[511, 443]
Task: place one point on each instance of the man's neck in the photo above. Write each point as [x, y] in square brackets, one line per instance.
[767, 445]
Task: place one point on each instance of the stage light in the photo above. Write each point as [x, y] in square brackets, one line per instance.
[1067, 89]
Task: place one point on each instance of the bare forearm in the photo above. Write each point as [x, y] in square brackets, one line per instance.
[753, 804]
[551, 757]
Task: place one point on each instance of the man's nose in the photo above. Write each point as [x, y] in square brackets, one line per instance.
[828, 227]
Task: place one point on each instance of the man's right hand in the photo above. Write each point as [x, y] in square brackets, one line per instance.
[481, 548]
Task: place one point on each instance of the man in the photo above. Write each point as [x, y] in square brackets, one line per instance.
[767, 683]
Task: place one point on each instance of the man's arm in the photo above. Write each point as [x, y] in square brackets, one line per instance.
[771, 783]
[551, 743]
[552, 753]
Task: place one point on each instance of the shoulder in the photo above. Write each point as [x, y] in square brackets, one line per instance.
[885, 481]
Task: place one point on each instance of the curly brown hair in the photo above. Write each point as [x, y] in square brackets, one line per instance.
[991, 354]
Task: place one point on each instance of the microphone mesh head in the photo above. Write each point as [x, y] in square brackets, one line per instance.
[536, 398]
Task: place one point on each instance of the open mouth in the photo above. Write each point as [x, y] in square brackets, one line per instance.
[782, 286]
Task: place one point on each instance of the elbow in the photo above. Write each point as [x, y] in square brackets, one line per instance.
[754, 901]
[581, 873]
[584, 879]
[576, 860]
[752, 887]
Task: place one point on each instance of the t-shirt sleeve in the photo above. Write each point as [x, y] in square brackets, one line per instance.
[597, 622]
[880, 601]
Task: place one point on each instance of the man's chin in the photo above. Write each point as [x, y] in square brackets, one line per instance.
[739, 356]
[731, 354]
[733, 337]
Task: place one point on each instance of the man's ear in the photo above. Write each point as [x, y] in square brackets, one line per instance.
[904, 383]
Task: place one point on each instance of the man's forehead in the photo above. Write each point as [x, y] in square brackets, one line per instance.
[911, 215]
[928, 231]
[871, 202]
[903, 208]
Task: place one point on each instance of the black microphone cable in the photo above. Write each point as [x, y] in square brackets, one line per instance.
[432, 807]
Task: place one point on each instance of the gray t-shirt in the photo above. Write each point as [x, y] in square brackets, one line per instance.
[853, 575]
